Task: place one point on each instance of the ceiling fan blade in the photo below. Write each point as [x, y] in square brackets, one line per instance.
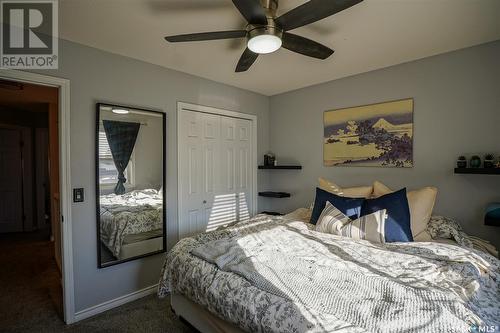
[246, 61]
[252, 11]
[207, 36]
[313, 11]
[305, 46]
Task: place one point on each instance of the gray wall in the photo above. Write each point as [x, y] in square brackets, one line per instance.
[147, 155]
[457, 111]
[98, 76]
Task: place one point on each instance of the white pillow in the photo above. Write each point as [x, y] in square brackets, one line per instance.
[300, 214]
[421, 204]
[369, 227]
[351, 192]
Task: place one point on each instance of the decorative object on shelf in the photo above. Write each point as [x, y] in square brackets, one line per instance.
[498, 164]
[269, 159]
[489, 161]
[378, 135]
[475, 162]
[462, 162]
[492, 216]
[274, 194]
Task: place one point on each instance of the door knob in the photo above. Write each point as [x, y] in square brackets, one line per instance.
[204, 201]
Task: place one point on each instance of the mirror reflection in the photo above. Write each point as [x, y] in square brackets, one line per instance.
[130, 184]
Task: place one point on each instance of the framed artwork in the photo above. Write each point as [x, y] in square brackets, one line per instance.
[378, 135]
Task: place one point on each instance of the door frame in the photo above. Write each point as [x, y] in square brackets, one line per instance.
[183, 106]
[64, 178]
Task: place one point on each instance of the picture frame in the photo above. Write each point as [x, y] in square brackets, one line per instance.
[373, 135]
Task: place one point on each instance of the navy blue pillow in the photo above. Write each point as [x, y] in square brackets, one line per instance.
[397, 225]
[349, 206]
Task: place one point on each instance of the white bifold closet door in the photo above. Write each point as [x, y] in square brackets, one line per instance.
[215, 184]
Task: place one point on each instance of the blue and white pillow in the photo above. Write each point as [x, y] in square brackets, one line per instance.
[370, 227]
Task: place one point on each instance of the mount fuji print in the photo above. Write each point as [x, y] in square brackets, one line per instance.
[378, 135]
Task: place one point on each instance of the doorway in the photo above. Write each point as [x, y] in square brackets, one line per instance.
[30, 214]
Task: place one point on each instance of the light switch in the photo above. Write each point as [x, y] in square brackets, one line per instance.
[78, 195]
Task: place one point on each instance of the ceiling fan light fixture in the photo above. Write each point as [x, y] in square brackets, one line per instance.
[264, 39]
[264, 44]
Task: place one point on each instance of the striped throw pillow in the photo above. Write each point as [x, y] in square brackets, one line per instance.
[370, 227]
[331, 219]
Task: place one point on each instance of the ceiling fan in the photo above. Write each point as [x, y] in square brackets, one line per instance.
[267, 33]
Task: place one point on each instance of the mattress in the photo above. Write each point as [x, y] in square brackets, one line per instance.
[140, 248]
[134, 238]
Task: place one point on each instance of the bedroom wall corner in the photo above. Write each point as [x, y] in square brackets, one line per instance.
[457, 111]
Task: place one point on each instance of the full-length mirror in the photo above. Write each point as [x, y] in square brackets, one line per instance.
[130, 169]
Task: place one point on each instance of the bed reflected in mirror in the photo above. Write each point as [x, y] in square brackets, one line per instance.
[130, 169]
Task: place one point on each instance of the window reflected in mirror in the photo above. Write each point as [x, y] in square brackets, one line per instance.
[130, 168]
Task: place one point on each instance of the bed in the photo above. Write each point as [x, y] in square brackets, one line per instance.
[277, 274]
[132, 223]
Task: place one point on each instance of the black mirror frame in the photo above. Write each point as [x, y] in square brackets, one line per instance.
[98, 190]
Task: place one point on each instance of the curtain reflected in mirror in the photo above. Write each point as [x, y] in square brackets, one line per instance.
[130, 168]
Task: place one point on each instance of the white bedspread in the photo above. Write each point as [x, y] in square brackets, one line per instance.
[134, 212]
[299, 280]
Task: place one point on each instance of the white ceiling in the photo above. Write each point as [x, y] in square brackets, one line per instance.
[371, 35]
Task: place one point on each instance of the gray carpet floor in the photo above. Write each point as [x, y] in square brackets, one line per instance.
[31, 298]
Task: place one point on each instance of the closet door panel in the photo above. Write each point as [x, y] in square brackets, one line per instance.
[224, 210]
[191, 180]
[228, 157]
[211, 170]
[243, 168]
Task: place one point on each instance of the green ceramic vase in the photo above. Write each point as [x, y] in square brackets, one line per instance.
[475, 162]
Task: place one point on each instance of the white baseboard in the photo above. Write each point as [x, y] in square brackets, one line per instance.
[108, 305]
